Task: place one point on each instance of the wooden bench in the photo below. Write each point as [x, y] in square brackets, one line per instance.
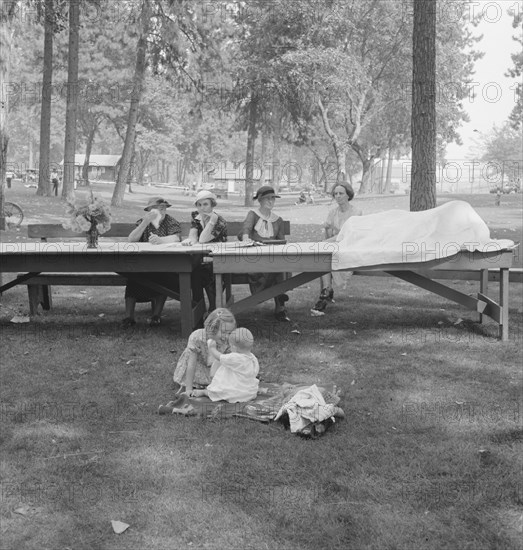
[39, 286]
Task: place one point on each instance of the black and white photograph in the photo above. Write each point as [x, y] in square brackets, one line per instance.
[261, 274]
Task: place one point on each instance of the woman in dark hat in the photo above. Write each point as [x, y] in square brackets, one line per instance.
[262, 225]
[342, 193]
[156, 227]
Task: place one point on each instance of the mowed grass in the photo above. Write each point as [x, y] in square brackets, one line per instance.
[429, 455]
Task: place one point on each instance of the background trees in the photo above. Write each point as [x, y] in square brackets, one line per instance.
[179, 87]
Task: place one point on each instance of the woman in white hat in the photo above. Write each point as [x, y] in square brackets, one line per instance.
[206, 227]
[263, 225]
[156, 227]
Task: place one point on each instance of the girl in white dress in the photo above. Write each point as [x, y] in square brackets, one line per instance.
[235, 379]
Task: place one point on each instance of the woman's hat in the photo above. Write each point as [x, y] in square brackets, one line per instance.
[205, 195]
[265, 190]
[156, 201]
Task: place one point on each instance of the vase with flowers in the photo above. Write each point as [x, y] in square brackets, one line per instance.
[92, 218]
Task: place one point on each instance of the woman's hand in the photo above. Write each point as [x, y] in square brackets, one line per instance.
[154, 239]
[150, 216]
[213, 218]
[211, 343]
[188, 242]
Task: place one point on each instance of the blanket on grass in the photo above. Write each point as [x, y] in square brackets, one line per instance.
[397, 236]
[270, 399]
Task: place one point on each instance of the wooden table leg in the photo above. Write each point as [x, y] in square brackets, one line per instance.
[483, 286]
[219, 290]
[504, 303]
[186, 304]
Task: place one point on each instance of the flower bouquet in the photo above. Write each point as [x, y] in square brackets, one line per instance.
[93, 218]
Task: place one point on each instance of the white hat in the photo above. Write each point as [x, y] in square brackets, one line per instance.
[205, 195]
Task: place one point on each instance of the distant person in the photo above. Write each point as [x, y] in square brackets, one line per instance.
[55, 182]
[498, 196]
[9, 178]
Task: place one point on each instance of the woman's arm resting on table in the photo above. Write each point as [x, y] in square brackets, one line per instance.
[154, 239]
[192, 238]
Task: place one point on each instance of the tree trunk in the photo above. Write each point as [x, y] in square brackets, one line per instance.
[249, 157]
[365, 176]
[7, 14]
[88, 149]
[138, 84]
[390, 160]
[423, 179]
[72, 101]
[276, 152]
[383, 174]
[263, 159]
[44, 182]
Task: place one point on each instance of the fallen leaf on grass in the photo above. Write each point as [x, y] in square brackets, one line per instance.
[21, 319]
[353, 382]
[295, 332]
[129, 362]
[403, 354]
[101, 315]
[119, 526]
[459, 321]
[23, 510]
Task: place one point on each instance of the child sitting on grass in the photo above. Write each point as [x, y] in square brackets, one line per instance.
[196, 365]
[235, 379]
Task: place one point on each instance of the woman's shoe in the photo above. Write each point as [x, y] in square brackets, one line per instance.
[327, 294]
[155, 321]
[282, 316]
[319, 309]
[128, 322]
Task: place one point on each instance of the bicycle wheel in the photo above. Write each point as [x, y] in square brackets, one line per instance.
[13, 214]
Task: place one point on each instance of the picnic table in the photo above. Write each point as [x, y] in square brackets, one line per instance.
[310, 261]
[33, 258]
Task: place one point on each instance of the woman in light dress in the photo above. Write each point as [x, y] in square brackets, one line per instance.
[343, 195]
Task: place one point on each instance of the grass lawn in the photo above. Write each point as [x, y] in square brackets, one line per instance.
[429, 456]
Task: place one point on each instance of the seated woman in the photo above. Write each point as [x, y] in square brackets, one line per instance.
[342, 193]
[156, 227]
[206, 227]
[262, 225]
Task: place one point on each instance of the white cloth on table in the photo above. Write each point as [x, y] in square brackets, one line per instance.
[306, 406]
[235, 380]
[397, 236]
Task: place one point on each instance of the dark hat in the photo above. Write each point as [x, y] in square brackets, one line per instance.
[265, 190]
[156, 201]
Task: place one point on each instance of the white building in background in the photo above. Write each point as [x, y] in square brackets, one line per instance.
[452, 176]
[101, 167]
